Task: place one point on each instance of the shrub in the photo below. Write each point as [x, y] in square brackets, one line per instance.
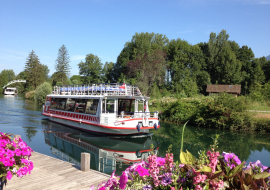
[42, 91]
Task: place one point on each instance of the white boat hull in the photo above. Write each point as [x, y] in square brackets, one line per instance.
[98, 129]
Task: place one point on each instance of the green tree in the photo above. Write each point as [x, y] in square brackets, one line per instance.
[34, 71]
[186, 67]
[148, 70]
[62, 66]
[42, 91]
[76, 79]
[266, 70]
[107, 72]
[46, 72]
[6, 76]
[58, 77]
[258, 74]
[140, 44]
[91, 69]
[246, 56]
[21, 86]
[222, 63]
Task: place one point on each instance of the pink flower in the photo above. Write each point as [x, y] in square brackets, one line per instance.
[2, 151]
[160, 161]
[198, 187]
[3, 143]
[18, 152]
[10, 153]
[123, 180]
[25, 152]
[142, 171]
[9, 175]
[13, 144]
[22, 145]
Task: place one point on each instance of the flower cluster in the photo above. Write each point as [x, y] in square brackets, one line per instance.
[216, 172]
[14, 157]
[213, 157]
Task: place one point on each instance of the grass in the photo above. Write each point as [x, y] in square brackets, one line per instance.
[262, 106]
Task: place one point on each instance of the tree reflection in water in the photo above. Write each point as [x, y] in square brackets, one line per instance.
[242, 143]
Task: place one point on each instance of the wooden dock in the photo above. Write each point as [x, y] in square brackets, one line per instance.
[51, 173]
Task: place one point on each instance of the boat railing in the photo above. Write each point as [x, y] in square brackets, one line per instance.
[105, 89]
[138, 114]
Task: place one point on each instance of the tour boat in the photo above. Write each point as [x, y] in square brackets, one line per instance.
[10, 91]
[108, 108]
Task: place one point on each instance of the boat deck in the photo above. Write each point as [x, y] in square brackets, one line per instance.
[51, 173]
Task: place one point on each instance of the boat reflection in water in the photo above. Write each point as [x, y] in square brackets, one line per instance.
[107, 153]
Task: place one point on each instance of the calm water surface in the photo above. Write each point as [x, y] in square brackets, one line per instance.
[23, 117]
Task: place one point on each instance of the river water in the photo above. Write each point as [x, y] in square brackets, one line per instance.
[23, 117]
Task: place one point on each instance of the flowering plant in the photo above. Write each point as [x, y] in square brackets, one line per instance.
[14, 157]
[211, 170]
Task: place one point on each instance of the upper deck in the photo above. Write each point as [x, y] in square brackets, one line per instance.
[98, 89]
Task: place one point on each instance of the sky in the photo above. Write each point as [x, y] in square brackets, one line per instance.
[102, 27]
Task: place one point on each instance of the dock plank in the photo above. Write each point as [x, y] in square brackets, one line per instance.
[51, 173]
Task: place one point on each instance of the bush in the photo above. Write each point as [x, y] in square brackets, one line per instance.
[42, 91]
[30, 95]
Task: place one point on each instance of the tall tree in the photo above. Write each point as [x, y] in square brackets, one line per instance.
[107, 72]
[186, 67]
[140, 44]
[34, 70]
[90, 69]
[266, 70]
[222, 63]
[148, 69]
[62, 66]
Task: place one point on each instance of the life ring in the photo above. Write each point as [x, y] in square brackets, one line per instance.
[155, 126]
[138, 127]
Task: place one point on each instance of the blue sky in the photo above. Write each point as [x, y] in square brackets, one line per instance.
[102, 27]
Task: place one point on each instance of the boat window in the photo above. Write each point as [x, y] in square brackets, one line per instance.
[70, 104]
[110, 106]
[126, 105]
[141, 106]
[91, 106]
[61, 104]
[53, 103]
[80, 105]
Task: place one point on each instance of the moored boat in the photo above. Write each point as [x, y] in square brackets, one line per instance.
[108, 108]
[10, 91]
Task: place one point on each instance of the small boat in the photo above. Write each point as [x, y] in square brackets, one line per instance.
[10, 91]
[107, 108]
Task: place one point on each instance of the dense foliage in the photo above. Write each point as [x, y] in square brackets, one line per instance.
[42, 91]
[222, 111]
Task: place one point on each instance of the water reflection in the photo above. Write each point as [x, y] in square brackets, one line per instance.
[107, 153]
[249, 146]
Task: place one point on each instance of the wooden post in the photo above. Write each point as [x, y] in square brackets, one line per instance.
[85, 161]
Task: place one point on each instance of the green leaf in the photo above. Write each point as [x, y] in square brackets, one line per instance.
[248, 171]
[246, 187]
[262, 175]
[205, 169]
[236, 169]
[187, 158]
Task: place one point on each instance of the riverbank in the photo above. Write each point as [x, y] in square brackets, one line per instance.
[223, 111]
